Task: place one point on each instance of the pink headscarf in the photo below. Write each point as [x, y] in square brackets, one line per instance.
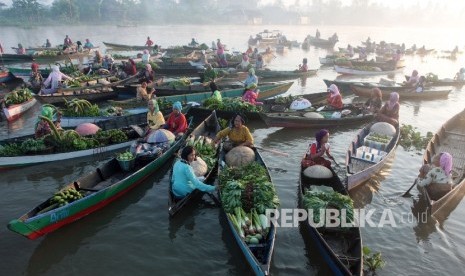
[148, 67]
[393, 100]
[333, 90]
[446, 162]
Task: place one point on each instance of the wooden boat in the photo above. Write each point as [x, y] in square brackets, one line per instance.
[284, 75]
[91, 92]
[5, 75]
[364, 90]
[268, 37]
[25, 73]
[384, 65]
[128, 119]
[13, 112]
[353, 71]
[320, 42]
[122, 47]
[13, 162]
[360, 170]
[11, 58]
[298, 119]
[258, 256]
[449, 138]
[344, 86]
[443, 82]
[100, 187]
[341, 248]
[266, 91]
[59, 56]
[208, 128]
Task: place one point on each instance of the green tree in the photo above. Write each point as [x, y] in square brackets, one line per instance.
[26, 10]
[66, 10]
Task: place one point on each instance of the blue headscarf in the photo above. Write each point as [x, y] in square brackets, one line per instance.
[177, 105]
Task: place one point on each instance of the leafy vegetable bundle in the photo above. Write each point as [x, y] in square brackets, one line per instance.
[204, 148]
[18, 96]
[318, 200]
[231, 104]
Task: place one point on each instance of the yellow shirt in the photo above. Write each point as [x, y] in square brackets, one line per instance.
[142, 94]
[155, 120]
[237, 136]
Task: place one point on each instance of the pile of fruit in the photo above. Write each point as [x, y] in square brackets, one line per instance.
[125, 156]
[66, 197]
[18, 96]
[204, 148]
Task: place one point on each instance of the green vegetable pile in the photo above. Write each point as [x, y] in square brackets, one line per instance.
[33, 145]
[286, 100]
[223, 123]
[181, 82]
[231, 104]
[411, 139]
[125, 156]
[317, 200]
[257, 192]
[430, 77]
[80, 108]
[204, 148]
[18, 96]
[380, 138]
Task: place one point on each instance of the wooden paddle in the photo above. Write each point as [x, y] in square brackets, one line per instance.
[407, 194]
[214, 198]
[332, 158]
[273, 151]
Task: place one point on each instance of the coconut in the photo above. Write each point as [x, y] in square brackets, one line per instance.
[87, 129]
[314, 115]
[318, 171]
[199, 166]
[383, 128]
[300, 104]
[240, 156]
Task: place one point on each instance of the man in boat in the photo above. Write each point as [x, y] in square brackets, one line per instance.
[237, 133]
[36, 79]
[317, 35]
[142, 94]
[184, 179]
[149, 42]
[53, 81]
[193, 43]
[88, 45]
[317, 150]
[304, 66]
[67, 43]
[20, 50]
[176, 122]
[108, 62]
[47, 43]
[460, 76]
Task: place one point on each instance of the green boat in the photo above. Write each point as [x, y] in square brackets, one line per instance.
[97, 189]
[266, 91]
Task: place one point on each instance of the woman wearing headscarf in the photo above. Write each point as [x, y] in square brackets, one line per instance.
[130, 68]
[251, 95]
[317, 149]
[42, 127]
[251, 78]
[54, 81]
[334, 98]
[36, 79]
[438, 179]
[389, 113]
[221, 55]
[238, 134]
[177, 122]
[149, 75]
[154, 116]
[375, 102]
[244, 62]
[413, 79]
[184, 179]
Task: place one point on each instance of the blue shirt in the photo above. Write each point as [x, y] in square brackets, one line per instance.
[185, 181]
[250, 79]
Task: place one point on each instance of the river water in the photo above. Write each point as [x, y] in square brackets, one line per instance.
[134, 236]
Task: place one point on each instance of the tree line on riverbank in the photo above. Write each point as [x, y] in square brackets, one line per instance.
[156, 12]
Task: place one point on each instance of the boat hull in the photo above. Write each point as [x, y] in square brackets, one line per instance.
[404, 92]
[297, 120]
[351, 71]
[13, 112]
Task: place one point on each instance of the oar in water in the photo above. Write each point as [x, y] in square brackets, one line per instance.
[332, 158]
[214, 198]
[273, 151]
[407, 194]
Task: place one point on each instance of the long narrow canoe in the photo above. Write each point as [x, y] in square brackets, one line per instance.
[208, 128]
[266, 91]
[257, 255]
[364, 90]
[123, 47]
[443, 82]
[99, 188]
[449, 138]
[384, 65]
[29, 160]
[284, 75]
[344, 86]
[25, 73]
[135, 116]
[360, 169]
[92, 93]
[341, 248]
[10, 58]
[61, 56]
[299, 119]
[320, 42]
[353, 71]
[13, 112]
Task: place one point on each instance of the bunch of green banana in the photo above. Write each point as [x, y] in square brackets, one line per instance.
[66, 197]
